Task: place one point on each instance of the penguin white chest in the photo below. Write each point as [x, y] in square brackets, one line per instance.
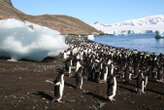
[78, 65]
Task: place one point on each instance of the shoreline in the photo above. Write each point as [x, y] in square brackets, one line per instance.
[132, 49]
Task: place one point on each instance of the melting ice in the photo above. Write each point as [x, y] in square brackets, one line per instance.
[26, 40]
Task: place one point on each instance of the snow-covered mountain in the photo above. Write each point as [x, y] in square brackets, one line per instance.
[141, 25]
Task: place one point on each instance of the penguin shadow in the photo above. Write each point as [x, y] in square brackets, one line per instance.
[131, 88]
[70, 85]
[96, 96]
[42, 94]
[156, 91]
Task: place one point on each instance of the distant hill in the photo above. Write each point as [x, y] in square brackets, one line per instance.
[141, 25]
[61, 23]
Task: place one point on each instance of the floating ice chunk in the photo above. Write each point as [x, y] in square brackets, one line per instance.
[91, 37]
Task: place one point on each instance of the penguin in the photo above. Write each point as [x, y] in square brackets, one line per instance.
[107, 70]
[70, 68]
[143, 83]
[71, 58]
[58, 86]
[79, 74]
[140, 82]
[112, 85]
[66, 56]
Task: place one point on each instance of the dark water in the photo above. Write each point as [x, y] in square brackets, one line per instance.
[144, 42]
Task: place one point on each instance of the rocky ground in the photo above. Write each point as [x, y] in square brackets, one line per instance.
[23, 87]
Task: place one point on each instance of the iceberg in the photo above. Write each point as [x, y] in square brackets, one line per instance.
[26, 40]
[91, 37]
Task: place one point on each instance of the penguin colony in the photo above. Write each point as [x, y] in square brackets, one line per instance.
[99, 63]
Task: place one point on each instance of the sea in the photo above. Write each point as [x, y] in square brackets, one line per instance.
[141, 42]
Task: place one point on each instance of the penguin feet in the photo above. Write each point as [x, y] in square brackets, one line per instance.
[111, 99]
[69, 75]
[81, 87]
[59, 100]
[140, 92]
[143, 92]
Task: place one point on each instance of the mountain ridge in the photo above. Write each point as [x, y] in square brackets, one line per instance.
[140, 25]
[62, 23]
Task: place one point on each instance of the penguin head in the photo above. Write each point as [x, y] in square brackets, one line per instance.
[60, 70]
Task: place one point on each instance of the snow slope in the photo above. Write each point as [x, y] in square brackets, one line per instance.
[141, 25]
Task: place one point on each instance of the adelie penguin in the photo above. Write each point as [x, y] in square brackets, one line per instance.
[107, 70]
[79, 74]
[112, 85]
[58, 86]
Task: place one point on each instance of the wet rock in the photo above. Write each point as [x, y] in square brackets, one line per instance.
[44, 99]
[22, 98]
[132, 102]
[102, 105]
[124, 98]
[33, 107]
[13, 96]
[28, 93]
[94, 107]
[71, 100]
[82, 96]
[46, 107]
[47, 102]
[6, 97]
[19, 78]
